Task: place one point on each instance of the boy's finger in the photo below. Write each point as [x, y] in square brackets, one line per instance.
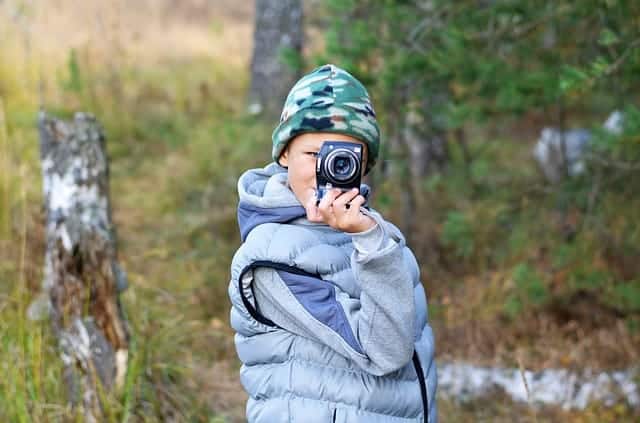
[355, 205]
[328, 199]
[344, 198]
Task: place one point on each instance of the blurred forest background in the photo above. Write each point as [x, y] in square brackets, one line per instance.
[524, 264]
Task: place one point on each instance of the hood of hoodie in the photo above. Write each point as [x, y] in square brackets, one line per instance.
[265, 197]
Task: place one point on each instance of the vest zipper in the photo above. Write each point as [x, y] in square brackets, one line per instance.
[333, 419]
[423, 386]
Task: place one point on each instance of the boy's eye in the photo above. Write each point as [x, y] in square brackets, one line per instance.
[312, 153]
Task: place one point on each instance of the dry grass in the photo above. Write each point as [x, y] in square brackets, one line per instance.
[467, 328]
[144, 31]
[184, 66]
[173, 338]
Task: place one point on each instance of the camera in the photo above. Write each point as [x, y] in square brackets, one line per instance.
[338, 165]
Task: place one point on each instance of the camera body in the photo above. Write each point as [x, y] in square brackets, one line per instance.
[338, 165]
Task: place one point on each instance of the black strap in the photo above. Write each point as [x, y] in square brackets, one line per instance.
[423, 385]
[247, 304]
[253, 311]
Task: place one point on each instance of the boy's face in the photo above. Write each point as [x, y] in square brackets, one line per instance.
[300, 159]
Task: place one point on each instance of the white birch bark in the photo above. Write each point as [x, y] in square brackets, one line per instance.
[82, 278]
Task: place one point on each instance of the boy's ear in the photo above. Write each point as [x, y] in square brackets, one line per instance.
[283, 160]
[365, 158]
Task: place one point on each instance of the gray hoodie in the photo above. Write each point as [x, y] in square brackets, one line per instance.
[330, 326]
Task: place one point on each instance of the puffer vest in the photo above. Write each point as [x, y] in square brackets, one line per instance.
[290, 378]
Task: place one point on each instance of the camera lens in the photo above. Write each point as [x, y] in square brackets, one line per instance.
[342, 165]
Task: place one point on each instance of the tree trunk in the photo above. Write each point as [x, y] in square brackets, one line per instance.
[82, 277]
[424, 135]
[278, 33]
[420, 141]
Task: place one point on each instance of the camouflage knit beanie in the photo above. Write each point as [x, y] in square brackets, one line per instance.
[328, 99]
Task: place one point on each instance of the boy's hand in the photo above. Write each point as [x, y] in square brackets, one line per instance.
[340, 210]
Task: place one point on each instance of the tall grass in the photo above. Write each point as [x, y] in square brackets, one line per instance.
[31, 372]
[163, 162]
[4, 174]
[171, 130]
[172, 109]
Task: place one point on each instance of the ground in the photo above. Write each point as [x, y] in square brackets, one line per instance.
[168, 82]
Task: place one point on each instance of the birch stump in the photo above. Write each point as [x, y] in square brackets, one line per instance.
[81, 276]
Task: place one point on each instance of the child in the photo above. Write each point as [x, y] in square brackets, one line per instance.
[329, 312]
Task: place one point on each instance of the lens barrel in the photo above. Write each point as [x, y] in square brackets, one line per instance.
[341, 165]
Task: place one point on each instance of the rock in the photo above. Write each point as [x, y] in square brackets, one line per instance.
[551, 157]
[562, 387]
[614, 122]
[560, 154]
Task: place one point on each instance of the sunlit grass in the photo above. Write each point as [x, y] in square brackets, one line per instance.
[178, 140]
[4, 175]
[177, 268]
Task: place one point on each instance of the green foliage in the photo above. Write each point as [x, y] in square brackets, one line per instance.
[529, 290]
[619, 152]
[589, 279]
[291, 57]
[480, 169]
[5, 176]
[74, 79]
[493, 58]
[458, 233]
[31, 373]
[529, 284]
[626, 296]
[473, 66]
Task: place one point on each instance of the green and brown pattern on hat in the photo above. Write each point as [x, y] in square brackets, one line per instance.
[328, 99]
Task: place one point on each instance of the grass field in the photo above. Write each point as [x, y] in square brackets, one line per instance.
[168, 84]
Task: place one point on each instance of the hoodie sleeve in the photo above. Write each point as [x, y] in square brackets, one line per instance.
[376, 330]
